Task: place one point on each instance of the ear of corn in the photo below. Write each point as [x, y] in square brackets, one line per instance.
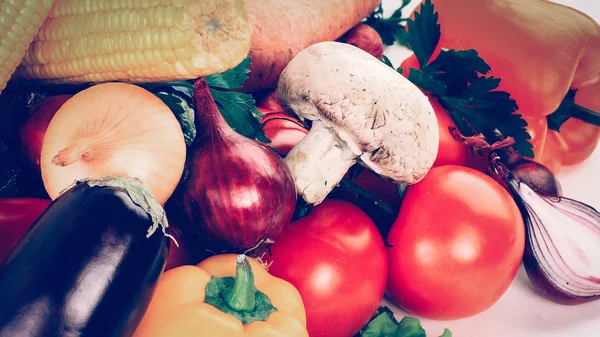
[137, 41]
[20, 21]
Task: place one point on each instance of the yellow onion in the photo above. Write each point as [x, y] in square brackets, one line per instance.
[114, 129]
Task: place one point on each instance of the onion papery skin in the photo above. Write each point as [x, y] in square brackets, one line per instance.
[534, 174]
[544, 264]
[238, 191]
[538, 177]
[114, 129]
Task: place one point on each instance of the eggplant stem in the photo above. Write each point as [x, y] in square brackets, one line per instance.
[141, 196]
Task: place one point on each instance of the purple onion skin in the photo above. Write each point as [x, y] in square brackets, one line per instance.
[238, 191]
[538, 278]
[541, 283]
[534, 174]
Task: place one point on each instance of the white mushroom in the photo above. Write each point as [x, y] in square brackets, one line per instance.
[361, 110]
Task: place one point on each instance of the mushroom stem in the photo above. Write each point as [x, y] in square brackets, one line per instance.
[319, 162]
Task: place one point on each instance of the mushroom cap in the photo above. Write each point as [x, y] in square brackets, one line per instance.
[383, 117]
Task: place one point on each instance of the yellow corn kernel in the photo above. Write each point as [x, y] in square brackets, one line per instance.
[137, 41]
[20, 21]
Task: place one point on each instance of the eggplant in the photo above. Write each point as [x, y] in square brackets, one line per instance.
[87, 267]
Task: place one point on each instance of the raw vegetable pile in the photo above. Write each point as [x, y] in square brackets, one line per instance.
[199, 169]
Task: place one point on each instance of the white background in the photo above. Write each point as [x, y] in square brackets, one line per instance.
[521, 312]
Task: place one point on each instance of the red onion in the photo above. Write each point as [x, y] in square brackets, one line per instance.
[238, 191]
[536, 175]
[562, 253]
[562, 247]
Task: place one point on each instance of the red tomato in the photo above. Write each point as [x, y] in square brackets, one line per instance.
[270, 102]
[336, 259]
[282, 130]
[178, 256]
[412, 62]
[450, 152]
[457, 244]
[17, 215]
[33, 131]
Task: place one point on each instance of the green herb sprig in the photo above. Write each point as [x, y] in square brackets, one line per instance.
[384, 324]
[390, 29]
[458, 80]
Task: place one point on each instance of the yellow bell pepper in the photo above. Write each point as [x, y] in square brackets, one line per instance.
[223, 296]
[540, 50]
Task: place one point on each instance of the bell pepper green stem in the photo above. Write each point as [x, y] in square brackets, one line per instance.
[569, 109]
[587, 115]
[242, 297]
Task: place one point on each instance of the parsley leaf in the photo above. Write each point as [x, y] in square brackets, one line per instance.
[515, 126]
[447, 333]
[424, 32]
[231, 79]
[387, 62]
[457, 79]
[402, 38]
[237, 108]
[427, 82]
[390, 29]
[183, 112]
[410, 327]
[456, 69]
[384, 324]
[569, 109]
[479, 109]
[239, 112]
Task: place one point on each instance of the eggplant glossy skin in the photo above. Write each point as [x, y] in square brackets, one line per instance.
[84, 269]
